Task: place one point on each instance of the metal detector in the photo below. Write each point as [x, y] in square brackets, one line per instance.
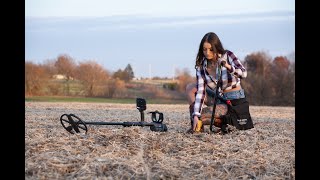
[76, 125]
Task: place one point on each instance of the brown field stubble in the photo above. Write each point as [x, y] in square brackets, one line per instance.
[115, 152]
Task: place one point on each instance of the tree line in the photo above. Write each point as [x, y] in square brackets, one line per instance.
[270, 81]
[91, 78]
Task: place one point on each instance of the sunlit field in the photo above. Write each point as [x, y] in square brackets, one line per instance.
[115, 152]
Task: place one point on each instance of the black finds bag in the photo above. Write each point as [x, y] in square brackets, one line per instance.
[238, 114]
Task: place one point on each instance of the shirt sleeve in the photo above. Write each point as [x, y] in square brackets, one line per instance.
[237, 69]
[200, 94]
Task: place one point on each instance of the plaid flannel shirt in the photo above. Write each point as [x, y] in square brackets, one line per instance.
[230, 79]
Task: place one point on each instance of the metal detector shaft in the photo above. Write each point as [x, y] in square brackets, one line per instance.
[216, 99]
[73, 124]
[126, 124]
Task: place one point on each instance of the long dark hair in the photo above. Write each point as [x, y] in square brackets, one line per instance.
[216, 45]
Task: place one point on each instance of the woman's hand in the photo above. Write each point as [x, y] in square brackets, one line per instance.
[228, 66]
[223, 61]
[195, 122]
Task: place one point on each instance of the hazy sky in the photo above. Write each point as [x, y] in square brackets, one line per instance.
[91, 8]
[155, 37]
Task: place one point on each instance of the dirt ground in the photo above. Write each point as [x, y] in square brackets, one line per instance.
[115, 152]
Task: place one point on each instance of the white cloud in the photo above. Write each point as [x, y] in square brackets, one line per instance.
[143, 22]
[94, 8]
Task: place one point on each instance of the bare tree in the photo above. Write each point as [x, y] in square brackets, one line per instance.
[183, 78]
[283, 81]
[66, 66]
[93, 76]
[35, 79]
[115, 88]
[50, 66]
[54, 87]
[258, 65]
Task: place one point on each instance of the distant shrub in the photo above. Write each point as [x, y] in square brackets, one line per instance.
[171, 86]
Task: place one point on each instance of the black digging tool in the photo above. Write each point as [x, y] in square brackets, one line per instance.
[76, 125]
[216, 97]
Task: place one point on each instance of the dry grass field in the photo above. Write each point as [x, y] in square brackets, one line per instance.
[116, 152]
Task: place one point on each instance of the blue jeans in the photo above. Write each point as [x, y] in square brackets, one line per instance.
[226, 96]
[234, 95]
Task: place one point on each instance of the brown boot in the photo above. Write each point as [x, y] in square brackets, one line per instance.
[217, 122]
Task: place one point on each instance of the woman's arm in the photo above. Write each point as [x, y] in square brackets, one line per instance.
[200, 94]
[237, 69]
